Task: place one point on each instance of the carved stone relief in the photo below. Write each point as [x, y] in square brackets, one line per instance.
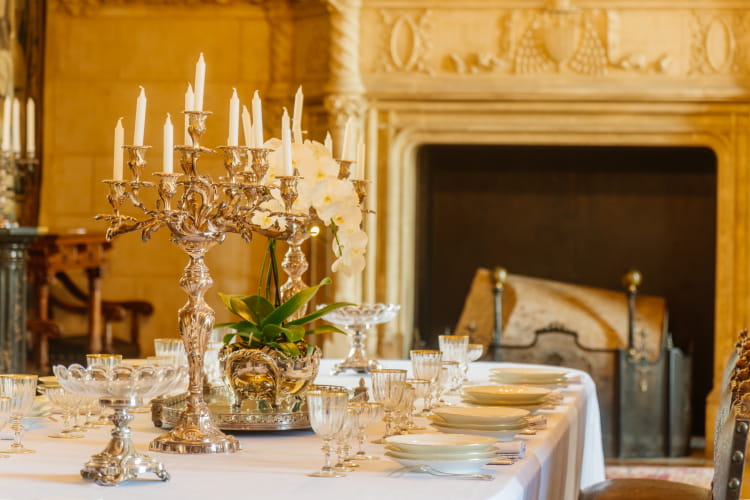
[405, 41]
[716, 42]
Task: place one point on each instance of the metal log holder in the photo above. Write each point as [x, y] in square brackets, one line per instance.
[631, 388]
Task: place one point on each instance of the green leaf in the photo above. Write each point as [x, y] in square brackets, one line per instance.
[291, 306]
[273, 332]
[227, 300]
[290, 348]
[325, 329]
[258, 306]
[295, 333]
[319, 313]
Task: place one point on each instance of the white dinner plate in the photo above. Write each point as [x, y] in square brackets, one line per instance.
[467, 466]
[518, 425]
[488, 415]
[397, 453]
[440, 443]
[530, 375]
[503, 436]
[524, 394]
[531, 408]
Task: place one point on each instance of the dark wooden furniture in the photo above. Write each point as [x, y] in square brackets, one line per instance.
[53, 258]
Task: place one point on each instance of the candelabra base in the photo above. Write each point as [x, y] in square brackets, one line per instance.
[120, 461]
[195, 434]
[362, 365]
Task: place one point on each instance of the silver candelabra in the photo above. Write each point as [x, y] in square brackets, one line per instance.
[199, 212]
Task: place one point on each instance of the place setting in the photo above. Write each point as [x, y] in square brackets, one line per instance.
[502, 423]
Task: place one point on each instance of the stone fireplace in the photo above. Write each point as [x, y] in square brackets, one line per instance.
[586, 73]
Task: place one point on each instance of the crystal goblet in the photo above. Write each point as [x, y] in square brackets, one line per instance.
[455, 348]
[121, 388]
[421, 388]
[21, 389]
[388, 388]
[368, 412]
[448, 380]
[343, 437]
[5, 403]
[425, 364]
[357, 320]
[327, 412]
[67, 402]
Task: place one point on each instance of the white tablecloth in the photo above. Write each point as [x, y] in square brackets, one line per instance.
[559, 460]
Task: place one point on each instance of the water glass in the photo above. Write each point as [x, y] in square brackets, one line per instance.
[388, 388]
[5, 402]
[455, 348]
[107, 361]
[343, 437]
[171, 348]
[425, 364]
[449, 379]
[67, 402]
[368, 412]
[421, 389]
[21, 389]
[327, 410]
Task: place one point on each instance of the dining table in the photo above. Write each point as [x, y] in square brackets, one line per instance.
[560, 459]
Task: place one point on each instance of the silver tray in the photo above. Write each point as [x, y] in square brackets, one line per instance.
[165, 412]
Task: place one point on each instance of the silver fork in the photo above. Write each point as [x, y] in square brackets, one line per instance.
[430, 470]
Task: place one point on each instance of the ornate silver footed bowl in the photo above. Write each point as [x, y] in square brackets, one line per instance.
[120, 388]
[357, 320]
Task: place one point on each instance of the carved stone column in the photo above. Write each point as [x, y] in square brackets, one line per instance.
[13, 279]
[281, 62]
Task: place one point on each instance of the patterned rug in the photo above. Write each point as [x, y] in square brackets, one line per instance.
[698, 476]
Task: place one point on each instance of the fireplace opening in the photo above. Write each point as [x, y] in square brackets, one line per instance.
[577, 214]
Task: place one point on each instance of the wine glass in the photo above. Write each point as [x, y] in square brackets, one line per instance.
[5, 403]
[369, 412]
[66, 401]
[406, 408]
[455, 348]
[388, 388]
[345, 434]
[21, 389]
[421, 388]
[357, 319]
[327, 412]
[425, 364]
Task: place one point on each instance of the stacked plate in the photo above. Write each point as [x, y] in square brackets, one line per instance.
[454, 453]
[500, 422]
[530, 376]
[528, 397]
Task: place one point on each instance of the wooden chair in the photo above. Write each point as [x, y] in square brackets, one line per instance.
[56, 296]
[733, 423]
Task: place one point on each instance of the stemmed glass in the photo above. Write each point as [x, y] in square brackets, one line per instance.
[388, 388]
[425, 364]
[5, 403]
[421, 388]
[345, 434]
[66, 401]
[357, 320]
[405, 409]
[474, 352]
[448, 380]
[327, 412]
[21, 389]
[455, 348]
[368, 412]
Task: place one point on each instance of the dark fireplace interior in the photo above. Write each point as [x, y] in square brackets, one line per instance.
[577, 214]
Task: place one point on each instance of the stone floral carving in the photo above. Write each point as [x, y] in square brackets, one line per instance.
[714, 41]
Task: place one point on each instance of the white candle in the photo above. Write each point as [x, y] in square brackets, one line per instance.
[346, 147]
[16, 134]
[168, 155]
[140, 118]
[297, 115]
[189, 102]
[286, 144]
[328, 142]
[30, 128]
[234, 119]
[117, 158]
[247, 127]
[359, 168]
[200, 82]
[257, 120]
[7, 112]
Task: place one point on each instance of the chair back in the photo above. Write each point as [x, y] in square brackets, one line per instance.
[732, 425]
